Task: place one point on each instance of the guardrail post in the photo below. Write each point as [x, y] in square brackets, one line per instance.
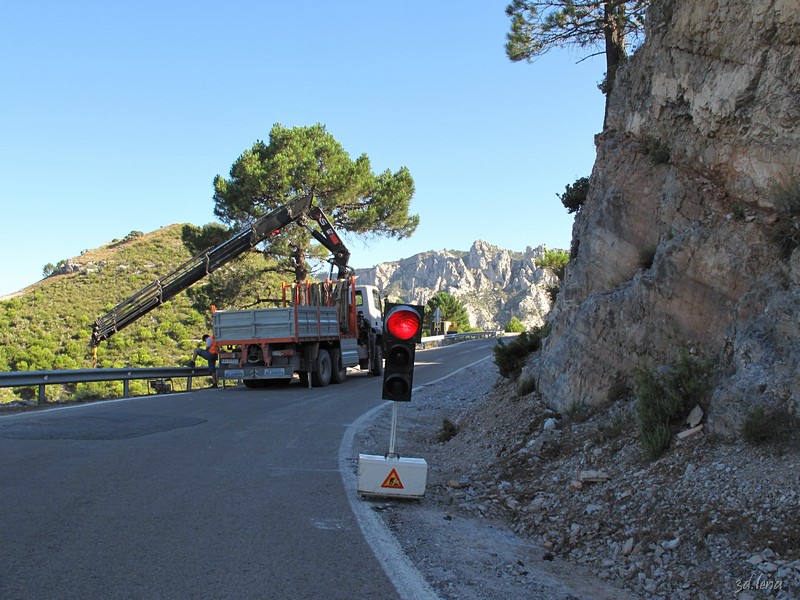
[42, 396]
[126, 388]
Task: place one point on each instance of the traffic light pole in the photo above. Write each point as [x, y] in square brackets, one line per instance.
[390, 475]
[393, 435]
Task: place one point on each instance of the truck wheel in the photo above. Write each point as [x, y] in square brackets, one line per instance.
[322, 376]
[255, 384]
[376, 365]
[339, 372]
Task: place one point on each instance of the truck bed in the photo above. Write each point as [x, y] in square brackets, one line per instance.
[312, 323]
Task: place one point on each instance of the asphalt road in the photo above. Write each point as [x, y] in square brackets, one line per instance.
[218, 493]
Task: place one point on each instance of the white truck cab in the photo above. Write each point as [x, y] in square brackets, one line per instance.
[368, 305]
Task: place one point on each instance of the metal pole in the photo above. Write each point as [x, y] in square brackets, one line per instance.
[42, 397]
[393, 435]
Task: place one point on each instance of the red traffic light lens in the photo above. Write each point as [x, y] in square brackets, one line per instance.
[403, 323]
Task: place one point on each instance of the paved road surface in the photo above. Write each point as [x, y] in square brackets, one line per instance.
[227, 493]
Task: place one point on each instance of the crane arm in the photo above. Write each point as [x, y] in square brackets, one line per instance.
[328, 237]
[165, 288]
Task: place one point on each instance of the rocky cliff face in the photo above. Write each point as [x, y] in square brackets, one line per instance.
[674, 247]
[493, 284]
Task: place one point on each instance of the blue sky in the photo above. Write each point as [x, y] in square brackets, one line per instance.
[116, 116]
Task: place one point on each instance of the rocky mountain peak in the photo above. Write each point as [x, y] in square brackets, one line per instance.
[494, 284]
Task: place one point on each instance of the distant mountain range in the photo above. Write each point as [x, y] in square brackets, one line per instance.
[493, 284]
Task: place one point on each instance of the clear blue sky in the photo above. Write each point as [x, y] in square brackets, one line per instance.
[116, 116]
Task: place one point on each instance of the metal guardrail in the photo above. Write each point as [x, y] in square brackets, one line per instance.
[44, 378]
[452, 338]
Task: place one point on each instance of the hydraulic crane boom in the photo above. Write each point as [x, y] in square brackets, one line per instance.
[165, 288]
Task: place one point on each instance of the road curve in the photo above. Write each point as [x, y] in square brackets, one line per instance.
[228, 493]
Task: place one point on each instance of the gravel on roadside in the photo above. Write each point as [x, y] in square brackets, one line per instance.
[522, 502]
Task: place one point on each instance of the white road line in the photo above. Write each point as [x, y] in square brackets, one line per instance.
[408, 581]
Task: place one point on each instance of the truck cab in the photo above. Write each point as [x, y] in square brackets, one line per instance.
[368, 305]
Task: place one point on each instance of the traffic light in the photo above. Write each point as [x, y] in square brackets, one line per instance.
[402, 329]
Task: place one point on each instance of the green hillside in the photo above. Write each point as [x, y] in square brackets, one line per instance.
[49, 324]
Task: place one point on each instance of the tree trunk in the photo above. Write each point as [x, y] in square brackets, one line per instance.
[614, 32]
[300, 268]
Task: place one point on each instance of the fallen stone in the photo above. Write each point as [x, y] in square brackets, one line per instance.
[671, 544]
[592, 508]
[627, 547]
[690, 432]
[694, 418]
[593, 476]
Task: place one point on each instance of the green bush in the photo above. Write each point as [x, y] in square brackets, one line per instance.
[511, 357]
[770, 426]
[658, 151]
[526, 386]
[514, 326]
[556, 260]
[448, 431]
[656, 440]
[664, 400]
[757, 428]
[575, 195]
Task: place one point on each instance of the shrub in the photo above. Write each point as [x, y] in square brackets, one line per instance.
[135, 234]
[514, 326]
[526, 385]
[556, 260]
[575, 195]
[510, 357]
[448, 431]
[664, 400]
[757, 428]
[768, 426]
[658, 151]
[656, 440]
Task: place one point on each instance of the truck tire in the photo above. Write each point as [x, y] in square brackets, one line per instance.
[339, 372]
[322, 375]
[255, 384]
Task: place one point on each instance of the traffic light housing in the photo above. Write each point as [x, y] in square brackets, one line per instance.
[402, 330]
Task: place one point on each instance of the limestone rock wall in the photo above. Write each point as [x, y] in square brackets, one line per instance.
[679, 253]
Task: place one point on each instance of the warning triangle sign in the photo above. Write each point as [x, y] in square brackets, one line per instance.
[393, 481]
